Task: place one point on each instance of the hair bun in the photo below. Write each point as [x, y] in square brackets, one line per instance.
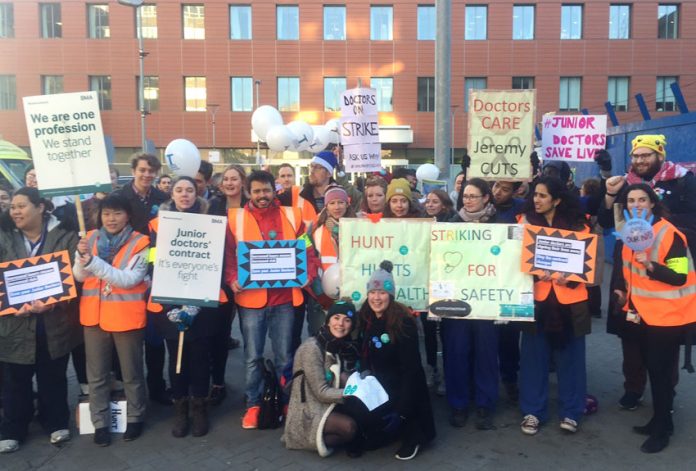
[387, 266]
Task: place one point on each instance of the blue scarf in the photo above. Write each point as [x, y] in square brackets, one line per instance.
[108, 244]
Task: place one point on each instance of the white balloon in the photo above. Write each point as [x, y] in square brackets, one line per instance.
[331, 281]
[322, 138]
[304, 134]
[427, 172]
[332, 125]
[279, 138]
[263, 119]
[183, 158]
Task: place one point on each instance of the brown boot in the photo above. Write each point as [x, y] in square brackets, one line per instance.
[199, 416]
[181, 419]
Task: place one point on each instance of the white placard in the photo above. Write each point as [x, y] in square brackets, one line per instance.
[359, 130]
[118, 417]
[359, 102]
[214, 156]
[272, 264]
[34, 282]
[362, 157]
[573, 138]
[67, 143]
[559, 254]
[188, 264]
[368, 390]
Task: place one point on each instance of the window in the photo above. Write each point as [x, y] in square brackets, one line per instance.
[381, 23]
[193, 18]
[6, 20]
[51, 24]
[473, 83]
[426, 94]
[523, 22]
[476, 21]
[102, 85]
[98, 21]
[667, 21]
[426, 22]
[333, 87]
[385, 92]
[664, 98]
[148, 21]
[240, 22]
[569, 95]
[522, 83]
[242, 93]
[619, 21]
[150, 93]
[571, 21]
[8, 92]
[288, 22]
[335, 23]
[51, 84]
[288, 94]
[617, 93]
[195, 94]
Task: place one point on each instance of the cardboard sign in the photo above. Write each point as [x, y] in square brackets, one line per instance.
[67, 143]
[272, 264]
[471, 275]
[501, 128]
[559, 252]
[47, 278]
[404, 242]
[188, 263]
[118, 417]
[359, 130]
[573, 138]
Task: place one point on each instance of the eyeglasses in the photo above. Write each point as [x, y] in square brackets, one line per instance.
[642, 156]
[471, 197]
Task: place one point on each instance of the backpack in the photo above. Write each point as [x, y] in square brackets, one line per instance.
[271, 407]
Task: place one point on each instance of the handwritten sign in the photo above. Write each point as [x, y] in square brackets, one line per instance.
[359, 130]
[501, 128]
[573, 138]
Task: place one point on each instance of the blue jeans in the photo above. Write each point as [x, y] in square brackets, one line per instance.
[277, 321]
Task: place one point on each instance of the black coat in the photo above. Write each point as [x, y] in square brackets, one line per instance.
[143, 211]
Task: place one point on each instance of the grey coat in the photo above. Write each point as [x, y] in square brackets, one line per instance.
[63, 331]
[304, 425]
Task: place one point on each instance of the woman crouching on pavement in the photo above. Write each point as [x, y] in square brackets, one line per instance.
[316, 420]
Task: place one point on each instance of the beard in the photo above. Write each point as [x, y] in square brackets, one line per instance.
[650, 172]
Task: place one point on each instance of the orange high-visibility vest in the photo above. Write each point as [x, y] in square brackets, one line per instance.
[326, 246]
[660, 304]
[245, 228]
[309, 214]
[114, 309]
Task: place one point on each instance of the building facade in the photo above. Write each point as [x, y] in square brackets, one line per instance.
[209, 62]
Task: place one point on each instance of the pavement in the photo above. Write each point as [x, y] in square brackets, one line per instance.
[604, 440]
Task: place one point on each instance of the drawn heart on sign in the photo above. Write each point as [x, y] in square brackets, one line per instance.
[350, 390]
[452, 260]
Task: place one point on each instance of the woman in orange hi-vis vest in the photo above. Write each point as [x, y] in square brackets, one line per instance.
[562, 320]
[112, 263]
[657, 289]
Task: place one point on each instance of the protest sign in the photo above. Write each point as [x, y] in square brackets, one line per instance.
[117, 411]
[47, 278]
[67, 143]
[471, 275]
[559, 252]
[501, 128]
[404, 242]
[367, 389]
[188, 263]
[272, 264]
[573, 138]
[359, 130]
[430, 185]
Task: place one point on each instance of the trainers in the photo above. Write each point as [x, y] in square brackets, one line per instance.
[630, 401]
[251, 418]
[217, 395]
[102, 436]
[407, 452]
[9, 446]
[60, 436]
[530, 425]
[569, 425]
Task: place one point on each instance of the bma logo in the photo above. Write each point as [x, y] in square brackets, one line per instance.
[217, 221]
[86, 97]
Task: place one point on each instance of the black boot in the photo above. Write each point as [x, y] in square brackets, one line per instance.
[655, 443]
[649, 429]
[199, 416]
[181, 420]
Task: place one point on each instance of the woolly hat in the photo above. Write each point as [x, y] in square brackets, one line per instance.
[326, 159]
[335, 193]
[341, 306]
[561, 167]
[382, 278]
[656, 142]
[399, 186]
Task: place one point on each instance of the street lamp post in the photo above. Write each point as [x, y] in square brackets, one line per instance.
[453, 110]
[136, 4]
[213, 108]
[257, 85]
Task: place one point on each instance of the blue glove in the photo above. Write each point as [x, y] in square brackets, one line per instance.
[392, 422]
[183, 317]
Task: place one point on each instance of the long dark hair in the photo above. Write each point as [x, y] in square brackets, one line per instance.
[393, 317]
[659, 211]
[32, 194]
[568, 214]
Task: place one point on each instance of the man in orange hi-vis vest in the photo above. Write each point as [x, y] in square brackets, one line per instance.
[264, 311]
